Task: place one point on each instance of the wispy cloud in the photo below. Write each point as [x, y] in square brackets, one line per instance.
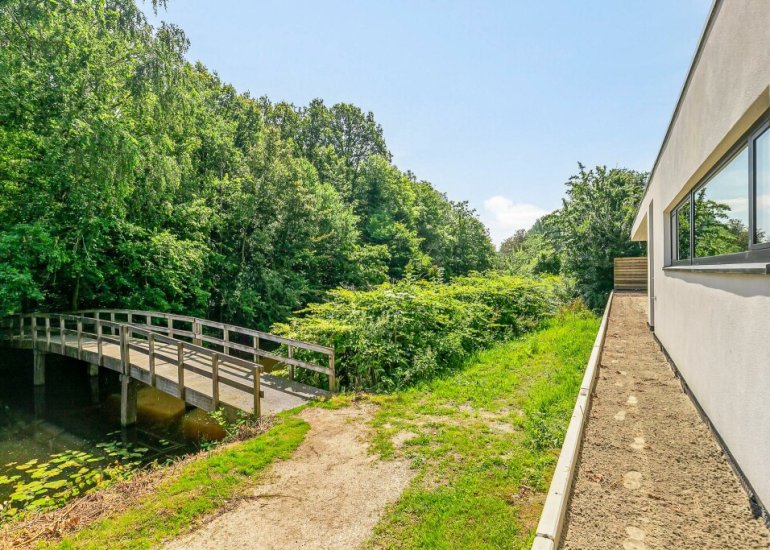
[504, 217]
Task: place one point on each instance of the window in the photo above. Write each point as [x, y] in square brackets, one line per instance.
[762, 188]
[682, 224]
[722, 210]
[726, 217]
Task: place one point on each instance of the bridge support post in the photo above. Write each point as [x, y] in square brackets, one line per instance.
[128, 389]
[38, 359]
[93, 370]
[128, 386]
[39, 392]
[94, 383]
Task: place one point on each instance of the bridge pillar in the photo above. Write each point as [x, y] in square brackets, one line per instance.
[128, 388]
[94, 383]
[93, 370]
[38, 359]
[39, 392]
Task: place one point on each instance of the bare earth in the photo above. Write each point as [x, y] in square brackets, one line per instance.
[651, 474]
[329, 494]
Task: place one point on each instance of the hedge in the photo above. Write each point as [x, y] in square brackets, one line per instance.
[398, 334]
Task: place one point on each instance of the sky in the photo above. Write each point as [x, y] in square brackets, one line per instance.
[494, 102]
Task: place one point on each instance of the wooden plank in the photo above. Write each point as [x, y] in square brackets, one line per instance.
[99, 343]
[332, 375]
[630, 273]
[62, 334]
[257, 391]
[151, 357]
[289, 361]
[80, 337]
[180, 370]
[215, 380]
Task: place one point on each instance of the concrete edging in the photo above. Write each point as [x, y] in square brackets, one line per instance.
[549, 528]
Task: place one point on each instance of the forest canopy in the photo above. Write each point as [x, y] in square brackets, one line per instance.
[130, 177]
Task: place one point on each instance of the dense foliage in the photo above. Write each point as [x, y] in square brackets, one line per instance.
[398, 334]
[130, 177]
[582, 239]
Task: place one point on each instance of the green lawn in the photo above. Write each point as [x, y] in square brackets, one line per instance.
[484, 440]
[200, 488]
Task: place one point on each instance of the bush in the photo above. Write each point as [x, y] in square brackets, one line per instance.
[402, 333]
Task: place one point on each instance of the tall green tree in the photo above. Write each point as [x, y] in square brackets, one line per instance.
[595, 223]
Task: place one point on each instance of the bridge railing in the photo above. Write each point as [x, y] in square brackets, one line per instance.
[231, 340]
[55, 329]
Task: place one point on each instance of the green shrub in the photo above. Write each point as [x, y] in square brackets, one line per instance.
[398, 334]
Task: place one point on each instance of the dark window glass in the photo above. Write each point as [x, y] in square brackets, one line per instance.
[762, 188]
[722, 210]
[683, 231]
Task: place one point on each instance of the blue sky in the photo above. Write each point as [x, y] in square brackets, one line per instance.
[494, 102]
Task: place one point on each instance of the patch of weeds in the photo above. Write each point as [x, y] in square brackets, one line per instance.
[243, 427]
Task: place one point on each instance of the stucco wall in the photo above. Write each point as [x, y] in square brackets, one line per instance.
[716, 327]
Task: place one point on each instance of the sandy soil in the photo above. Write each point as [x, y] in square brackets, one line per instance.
[651, 474]
[329, 494]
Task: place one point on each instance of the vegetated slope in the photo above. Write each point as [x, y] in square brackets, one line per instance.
[398, 334]
[484, 441]
[130, 177]
[194, 491]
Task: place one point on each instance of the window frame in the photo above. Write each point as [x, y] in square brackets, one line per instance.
[756, 134]
[757, 252]
[675, 232]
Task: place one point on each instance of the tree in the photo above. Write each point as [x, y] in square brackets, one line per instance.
[513, 243]
[595, 224]
[582, 239]
[130, 177]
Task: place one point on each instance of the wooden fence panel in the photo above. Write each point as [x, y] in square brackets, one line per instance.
[631, 273]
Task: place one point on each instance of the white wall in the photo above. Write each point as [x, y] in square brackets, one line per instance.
[716, 327]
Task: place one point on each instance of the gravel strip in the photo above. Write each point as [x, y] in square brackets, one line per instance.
[651, 474]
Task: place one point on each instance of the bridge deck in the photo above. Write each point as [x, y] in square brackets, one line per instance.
[279, 393]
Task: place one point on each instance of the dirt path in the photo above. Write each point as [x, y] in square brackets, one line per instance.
[329, 494]
[651, 474]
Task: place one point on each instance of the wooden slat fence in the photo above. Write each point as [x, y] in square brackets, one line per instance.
[631, 273]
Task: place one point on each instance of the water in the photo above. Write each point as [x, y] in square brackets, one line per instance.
[64, 439]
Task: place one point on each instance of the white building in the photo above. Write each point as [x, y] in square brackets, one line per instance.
[706, 217]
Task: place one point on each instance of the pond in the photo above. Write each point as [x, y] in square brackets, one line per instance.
[64, 439]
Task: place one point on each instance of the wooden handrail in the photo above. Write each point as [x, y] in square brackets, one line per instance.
[225, 342]
[122, 335]
[199, 338]
[133, 334]
[211, 324]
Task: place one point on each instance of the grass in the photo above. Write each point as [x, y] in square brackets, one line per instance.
[484, 441]
[200, 488]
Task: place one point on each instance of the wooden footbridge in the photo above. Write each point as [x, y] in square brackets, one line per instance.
[205, 363]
